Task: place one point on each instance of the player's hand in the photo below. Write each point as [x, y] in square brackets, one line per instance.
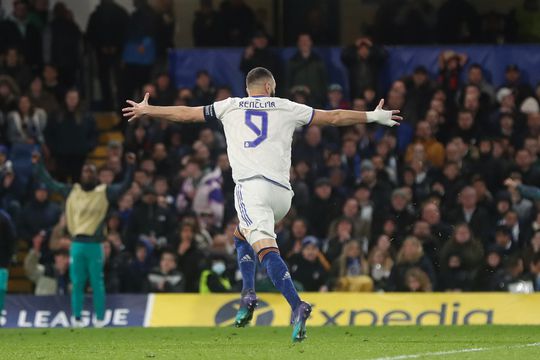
[136, 110]
[35, 157]
[384, 117]
[511, 183]
[131, 158]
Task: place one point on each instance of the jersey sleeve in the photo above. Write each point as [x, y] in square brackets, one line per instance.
[303, 114]
[216, 110]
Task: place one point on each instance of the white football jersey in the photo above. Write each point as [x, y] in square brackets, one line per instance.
[259, 133]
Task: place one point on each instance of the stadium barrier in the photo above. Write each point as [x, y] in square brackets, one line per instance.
[223, 64]
[330, 309]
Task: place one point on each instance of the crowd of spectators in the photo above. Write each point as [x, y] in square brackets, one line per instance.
[423, 207]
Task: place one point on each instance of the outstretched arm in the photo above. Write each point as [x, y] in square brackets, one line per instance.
[115, 191]
[351, 117]
[41, 174]
[171, 113]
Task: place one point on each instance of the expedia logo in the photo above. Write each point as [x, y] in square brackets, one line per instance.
[263, 315]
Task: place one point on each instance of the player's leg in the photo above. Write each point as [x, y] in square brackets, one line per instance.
[4, 275]
[246, 264]
[95, 269]
[78, 275]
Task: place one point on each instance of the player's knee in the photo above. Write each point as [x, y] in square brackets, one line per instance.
[267, 251]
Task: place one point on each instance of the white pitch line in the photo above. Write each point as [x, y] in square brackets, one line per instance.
[453, 352]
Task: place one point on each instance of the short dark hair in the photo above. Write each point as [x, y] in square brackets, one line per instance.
[258, 74]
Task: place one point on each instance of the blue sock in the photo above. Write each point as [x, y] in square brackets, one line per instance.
[281, 278]
[246, 263]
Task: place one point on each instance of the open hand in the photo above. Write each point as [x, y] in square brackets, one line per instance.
[136, 110]
[385, 117]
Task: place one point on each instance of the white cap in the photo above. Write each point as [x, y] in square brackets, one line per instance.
[502, 93]
[529, 106]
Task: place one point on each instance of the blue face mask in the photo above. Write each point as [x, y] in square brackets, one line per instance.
[218, 267]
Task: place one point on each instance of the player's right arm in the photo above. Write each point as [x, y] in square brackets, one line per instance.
[41, 174]
[171, 113]
[351, 117]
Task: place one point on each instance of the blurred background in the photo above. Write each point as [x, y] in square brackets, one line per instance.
[422, 207]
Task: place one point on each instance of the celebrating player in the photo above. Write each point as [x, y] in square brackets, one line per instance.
[259, 131]
[86, 208]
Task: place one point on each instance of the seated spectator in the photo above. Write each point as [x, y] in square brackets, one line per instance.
[503, 239]
[135, 271]
[293, 244]
[514, 81]
[15, 68]
[513, 278]
[534, 269]
[204, 91]
[323, 207]
[417, 280]
[476, 217]
[189, 255]
[411, 255]
[350, 271]
[7, 249]
[52, 84]
[336, 99]
[333, 247]
[27, 124]
[150, 223]
[165, 93]
[450, 66]
[380, 266]
[432, 215]
[38, 216]
[166, 278]
[214, 279]
[306, 267]
[49, 279]
[489, 275]
[111, 270]
[434, 149]
[361, 225]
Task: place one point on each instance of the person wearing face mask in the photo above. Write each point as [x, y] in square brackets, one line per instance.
[214, 279]
[87, 205]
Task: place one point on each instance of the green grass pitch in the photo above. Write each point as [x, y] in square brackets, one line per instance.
[336, 343]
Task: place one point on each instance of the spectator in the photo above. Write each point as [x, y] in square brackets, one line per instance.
[487, 278]
[450, 66]
[409, 256]
[166, 278]
[350, 271]
[324, 206]
[206, 30]
[433, 148]
[469, 212]
[306, 267]
[7, 248]
[306, 68]
[461, 258]
[20, 33]
[238, 22]
[417, 280]
[26, 125]
[534, 269]
[333, 247]
[63, 45]
[258, 54]
[503, 239]
[16, 68]
[364, 62]
[419, 90]
[71, 135]
[214, 280]
[49, 279]
[52, 84]
[38, 216]
[204, 91]
[140, 47]
[475, 76]
[150, 223]
[136, 270]
[40, 98]
[514, 82]
[380, 265]
[107, 46]
[189, 255]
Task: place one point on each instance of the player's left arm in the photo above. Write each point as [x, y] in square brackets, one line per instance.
[172, 113]
[350, 117]
[115, 191]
